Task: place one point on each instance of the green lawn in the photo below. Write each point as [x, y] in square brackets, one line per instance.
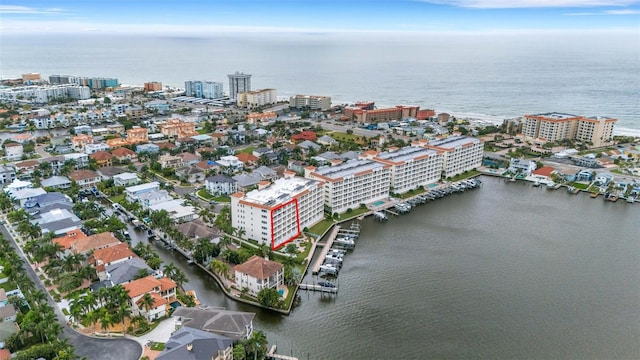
[340, 136]
[321, 227]
[580, 186]
[117, 198]
[246, 150]
[9, 285]
[203, 193]
[354, 213]
[465, 175]
[411, 193]
[157, 346]
[222, 198]
[289, 298]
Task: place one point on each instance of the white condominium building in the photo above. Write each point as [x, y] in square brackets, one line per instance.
[412, 167]
[352, 183]
[311, 102]
[276, 214]
[256, 98]
[461, 153]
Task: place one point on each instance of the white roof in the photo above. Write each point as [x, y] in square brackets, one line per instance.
[280, 191]
[126, 176]
[17, 184]
[27, 193]
[141, 187]
[175, 208]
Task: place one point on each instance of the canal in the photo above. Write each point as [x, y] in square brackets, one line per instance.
[504, 271]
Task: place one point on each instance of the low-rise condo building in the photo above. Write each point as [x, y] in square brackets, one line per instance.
[412, 167]
[595, 131]
[461, 153]
[275, 214]
[257, 98]
[352, 183]
[310, 102]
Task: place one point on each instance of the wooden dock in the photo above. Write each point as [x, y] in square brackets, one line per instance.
[325, 249]
[272, 355]
[318, 288]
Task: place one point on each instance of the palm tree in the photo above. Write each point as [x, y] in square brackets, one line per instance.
[106, 319]
[147, 302]
[170, 270]
[220, 267]
[122, 313]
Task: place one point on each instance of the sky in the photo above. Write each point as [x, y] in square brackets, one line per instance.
[316, 16]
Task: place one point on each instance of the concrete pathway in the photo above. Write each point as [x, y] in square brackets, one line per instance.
[161, 333]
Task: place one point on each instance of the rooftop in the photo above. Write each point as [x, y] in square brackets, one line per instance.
[453, 142]
[258, 267]
[281, 191]
[406, 153]
[232, 324]
[350, 167]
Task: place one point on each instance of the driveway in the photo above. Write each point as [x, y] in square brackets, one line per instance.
[85, 346]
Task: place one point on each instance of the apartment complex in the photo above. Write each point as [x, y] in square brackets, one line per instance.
[310, 102]
[363, 113]
[176, 128]
[153, 86]
[352, 183]
[92, 82]
[44, 94]
[460, 154]
[203, 89]
[275, 214]
[239, 83]
[261, 117]
[256, 98]
[558, 126]
[412, 167]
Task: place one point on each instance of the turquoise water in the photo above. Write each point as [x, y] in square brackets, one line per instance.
[281, 292]
[378, 203]
[432, 185]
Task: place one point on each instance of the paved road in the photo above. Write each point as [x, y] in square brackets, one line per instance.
[40, 150]
[86, 346]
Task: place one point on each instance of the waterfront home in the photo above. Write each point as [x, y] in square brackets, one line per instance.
[603, 179]
[236, 325]
[57, 221]
[94, 148]
[25, 195]
[543, 174]
[13, 151]
[258, 273]
[79, 244]
[169, 161]
[102, 158]
[124, 272]
[178, 212]
[521, 166]
[47, 199]
[56, 182]
[193, 344]
[154, 197]
[220, 184]
[111, 255]
[81, 159]
[79, 141]
[85, 178]
[197, 229]
[133, 193]
[163, 292]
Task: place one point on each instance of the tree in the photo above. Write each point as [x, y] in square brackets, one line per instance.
[147, 301]
[291, 249]
[269, 297]
[239, 352]
[220, 267]
[256, 345]
[122, 313]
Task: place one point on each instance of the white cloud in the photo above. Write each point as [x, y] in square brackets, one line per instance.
[506, 4]
[18, 9]
[607, 12]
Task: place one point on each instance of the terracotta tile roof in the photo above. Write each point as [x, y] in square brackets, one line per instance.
[97, 241]
[544, 171]
[120, 152]
[70, 238]
[101, 156]
[82, 175]
[258, 267]
[147, 284]
[159, 301]
[166, 145]
[189, 156]
[28, 163]
[246, 157]
[12, 144]
[113, 253]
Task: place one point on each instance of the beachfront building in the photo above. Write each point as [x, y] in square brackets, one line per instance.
[133, 193]
[257, 98]
[310, 102]
[595, 131]
[521, 166]
[275, 214]
[412, 167]
[152, 86]
[352, 183]
[364, 113]
[460, 154]
[239, 83]
[203, 89]
[258, 273]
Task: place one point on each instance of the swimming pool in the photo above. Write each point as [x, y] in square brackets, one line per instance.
[378, 203]
[281, 292]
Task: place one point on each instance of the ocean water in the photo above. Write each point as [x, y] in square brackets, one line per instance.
[480, 76]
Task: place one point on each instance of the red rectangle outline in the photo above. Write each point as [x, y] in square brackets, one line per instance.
[273, 232]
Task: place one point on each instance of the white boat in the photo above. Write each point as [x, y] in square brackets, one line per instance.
[536, 184]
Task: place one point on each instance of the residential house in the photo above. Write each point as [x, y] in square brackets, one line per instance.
[47, 199]
[102, 158]
[115, 128]
[13, 151]
[191, 174]
[147, 148]
[108, 172]
[232, 324]
[57, 221]
[170, 161]
[133, 193]
[257, 273]
[7, 313]
[111, 255]
[190, 159]
[55, 163]
[246, 182]
[79, 141]
[85, 244]
[178, 212]
[192, 344]
[543, 174]
[197, 229]
[85, 178]
[208, 165]
[202, 139]
[137, 135]
[265, 173]
[308, 145]
[326, 140]
[124, 154]
[25, 195]
[163, 292]
[94, 148]
[230, 163]
[81, 160]
[56, 182]
[221, 185]
[154, 197]
[306, 135]
[126, 179]
[26, 168]
[521, 166]
[7, 174]
[249, 160]
[125, 271]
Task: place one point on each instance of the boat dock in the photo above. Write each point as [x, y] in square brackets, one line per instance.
[333, 290]
[272, 355]
[325, 249]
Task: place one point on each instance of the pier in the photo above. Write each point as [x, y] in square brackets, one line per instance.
[272, 355]
[325, 249]
[312, 287]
